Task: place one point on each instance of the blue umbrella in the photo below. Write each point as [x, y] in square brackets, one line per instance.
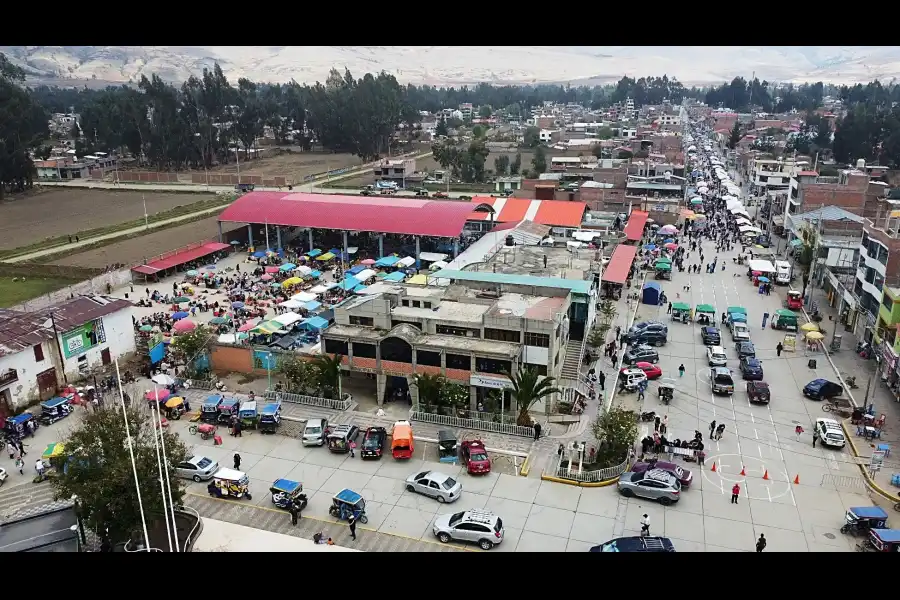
[763, 279]
[650, 247]
[237, 305]
[179, 315]
[668, 241]
[259, 254]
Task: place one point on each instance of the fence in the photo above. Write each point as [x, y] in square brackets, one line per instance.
[592, 476]
[95, 285]
[417, 415]
[343, 404]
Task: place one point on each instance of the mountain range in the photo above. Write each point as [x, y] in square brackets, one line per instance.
[463, 65]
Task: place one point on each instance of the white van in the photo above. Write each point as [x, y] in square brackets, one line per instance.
[830, 433]
[783, 272]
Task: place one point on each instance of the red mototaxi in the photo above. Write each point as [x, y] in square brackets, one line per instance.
[475, 456]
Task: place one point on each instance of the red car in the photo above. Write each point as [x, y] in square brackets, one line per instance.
[683, 475]
[475, 457]
[652, 371]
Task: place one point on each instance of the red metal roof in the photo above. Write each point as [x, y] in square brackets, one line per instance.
[619, 265]
[179, 258]
[810, 173]
[406, 216]
[635, 227]
[556, 213]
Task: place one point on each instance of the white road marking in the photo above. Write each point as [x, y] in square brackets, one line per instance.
[769, 493]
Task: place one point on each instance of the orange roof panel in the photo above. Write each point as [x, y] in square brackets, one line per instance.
[560, 213]
[514, 209]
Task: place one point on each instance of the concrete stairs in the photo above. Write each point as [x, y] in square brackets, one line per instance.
[572, 362]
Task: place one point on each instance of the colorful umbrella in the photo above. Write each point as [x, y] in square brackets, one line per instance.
[267, 277]
[146, 328]
[54, 450]
[158, 395]
[184, 325]
[671, 246]
[367, 261]
[809, 327]
[247, 326]
[271, 269]
[814, 335]
[650, 247]
[292, 281]
[237, 305]
[179, 315]
[219, 320]
[763, 280]
[193, 273]
[181, 299]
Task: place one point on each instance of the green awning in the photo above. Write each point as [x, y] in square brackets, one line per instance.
[736, 309]
[706, 308]
[681, 306]
[796, 242]
[663, 267]
[783, 312]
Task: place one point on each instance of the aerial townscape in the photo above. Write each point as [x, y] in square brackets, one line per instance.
[429, 310]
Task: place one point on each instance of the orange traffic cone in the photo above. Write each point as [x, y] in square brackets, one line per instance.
[743, 472]
[713, 468]
[797, 479]
[766, 475]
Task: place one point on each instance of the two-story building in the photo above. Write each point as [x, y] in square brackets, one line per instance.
[395, 170]
[770, 175]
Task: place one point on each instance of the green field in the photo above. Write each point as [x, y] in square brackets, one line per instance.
[12, 293]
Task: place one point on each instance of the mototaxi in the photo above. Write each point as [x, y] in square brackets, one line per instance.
[20, 425]
[248, 415]
[228, 408]
[229, 483]
[666, 390]
[785, 319]
[174, 408]
[794, 300]
[706, 314]
[402, 443]
[286, 492]
[55, 409]
[881, 540]
[448, 447]
[209, 410]
[346, 503]
[269, 417]
[861, 519]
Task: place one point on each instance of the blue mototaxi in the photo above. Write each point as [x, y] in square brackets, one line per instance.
[860, 519]
[881, 540]
[286, 492]
[346, 503]
[209, 410]
[21, 425]
[269, 417]
[54, 409]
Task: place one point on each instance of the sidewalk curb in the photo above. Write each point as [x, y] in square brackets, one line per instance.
[615, 386]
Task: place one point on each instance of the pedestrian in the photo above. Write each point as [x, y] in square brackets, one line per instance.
[645, 525]
[352, 522]
[560, 450]
[712, 428]
[641, 396]
[799, 431]
[761, 543]
[352, 449]
[656, 422]
[618, 332]
[76, 238]
[778, 349]
[735, 492]
[537, 431]
[11, 450]
[815, 437]
[21, 447]
[765, 318]
[681, 370]
[292, 508]
[237, 428]
[664, 426]
[237, 461]
[669, 311]
[70, 239]
[719, 431]
[20, 465]
[601, 379]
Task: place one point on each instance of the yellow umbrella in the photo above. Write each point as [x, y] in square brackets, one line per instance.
[814, 335]
[174, 402]
[291, 281]
[417, 280]
[809, 327]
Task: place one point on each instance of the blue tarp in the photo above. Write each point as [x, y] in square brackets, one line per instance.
[259, 254]
[357, 269]
[179, 315]
[650, 293]
[312, 305]
[315, 274]
[315, 323]
[349, 283]
[396, 276]
[287, 267]
[314, 253]
[358, 289]
[387, 261]
[157, 353]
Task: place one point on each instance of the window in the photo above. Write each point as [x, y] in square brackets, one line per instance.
[38, 353]
[426, 305]
[416, 304]
[539, 369]
[404, 302]
[336, 347]
[428, 359]
[540, 340]
[490, 365]
[886, 301]
[458, 331]
[865, 239]
[361, 350]
[502, 335]
[363, 321]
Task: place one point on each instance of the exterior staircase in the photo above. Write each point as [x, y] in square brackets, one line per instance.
[571, 368]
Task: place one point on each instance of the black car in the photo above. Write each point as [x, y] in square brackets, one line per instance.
[640, 353]
[821, 389]
[758, 391]
[373, 442]
[751, 369]
[711, 336]
[745, 349]
[649, 332]
[636, 544]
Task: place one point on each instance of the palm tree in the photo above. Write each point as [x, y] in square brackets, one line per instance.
[528, 388]
[430, 387]
[328, 373]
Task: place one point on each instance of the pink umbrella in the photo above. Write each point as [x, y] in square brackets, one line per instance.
[184, 325]
[671, 246]
[247, 326]
[267, 277]
[368, 261]
[271, 269]
[158, 395]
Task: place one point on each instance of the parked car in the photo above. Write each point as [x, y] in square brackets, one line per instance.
[684, 476]
[475, 457]
[758, 391]
[740, 332]
[654, 484]
[655, 334]
[475, 526]
[822, 389]
[830, 433]
[421, 193]
[636, 544]
[711, 336]
[314, 432]
[367, 193]
[433, 484]
[715, 356]
[198, 468]
[641, 353]
[751, 369]
[440, 195]
[650, 370]
[373, 442]
[745, 348]
[721, 381]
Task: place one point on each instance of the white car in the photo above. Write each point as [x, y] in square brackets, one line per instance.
[830, 433]
[740, 332]
[715, 356]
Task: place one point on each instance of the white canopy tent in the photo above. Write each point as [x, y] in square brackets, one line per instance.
[319, 289]
[304, 296]
[406, 261]
[291, 304]
[365, 275]
[763, 266]
[303, 270]
[288, 319]
[432, 256]
[742, 221]
[438, 265]
[749, 229]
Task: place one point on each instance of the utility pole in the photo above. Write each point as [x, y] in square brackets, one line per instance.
[62, 361]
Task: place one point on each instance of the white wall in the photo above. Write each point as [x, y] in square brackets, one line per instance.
[23, 363]
[535, 355]
[119, 339]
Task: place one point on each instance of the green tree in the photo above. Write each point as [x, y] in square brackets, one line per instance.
[430, 388]
[297, 372]
[515, 167]
[98, 470]
[528, 389]
[328, 374]
[735, 136]
[616, 432]
[485, 111]
[23, 125]
[605, 133]
[478, 132]
[539, 160]
[501, 164]
[532, 137]
[597, 337]
[441, 128]
[190, 345]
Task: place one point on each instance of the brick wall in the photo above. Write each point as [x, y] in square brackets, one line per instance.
[603, 199]
[147, 177]
[231, 359]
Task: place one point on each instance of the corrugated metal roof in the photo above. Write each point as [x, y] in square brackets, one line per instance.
[180, 258]
[828, 213]
[575, 285]
[556, 213]
[406, 216]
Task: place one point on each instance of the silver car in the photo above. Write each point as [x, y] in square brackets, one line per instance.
[475, 526]
[654, 484]
[442, 488]
[314, 432]
[198, 468]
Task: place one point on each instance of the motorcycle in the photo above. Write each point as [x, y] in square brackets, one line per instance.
[648, 416]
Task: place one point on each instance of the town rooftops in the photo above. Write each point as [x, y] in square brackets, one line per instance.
[574, 285]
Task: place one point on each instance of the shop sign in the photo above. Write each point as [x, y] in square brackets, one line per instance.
[9, 376]
[494, 383]
[81, 339]
[356, 369]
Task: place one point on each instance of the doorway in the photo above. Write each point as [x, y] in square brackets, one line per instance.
[47, 384]
[105, 357]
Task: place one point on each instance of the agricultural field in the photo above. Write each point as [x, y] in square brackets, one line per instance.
[52, 212]
[293, 165]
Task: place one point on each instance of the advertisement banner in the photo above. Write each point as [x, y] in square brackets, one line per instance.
[264, 360]
[81, 339]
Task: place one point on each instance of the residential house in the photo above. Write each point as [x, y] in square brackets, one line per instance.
[396, 170]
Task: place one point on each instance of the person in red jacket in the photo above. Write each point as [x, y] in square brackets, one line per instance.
[735, 492]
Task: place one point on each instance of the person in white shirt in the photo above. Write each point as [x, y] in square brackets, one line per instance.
[645, 525]
[39, 467]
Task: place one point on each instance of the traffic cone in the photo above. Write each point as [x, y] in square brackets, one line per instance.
[766, 475]
[713, 468]
[743, 472]
[797, 479]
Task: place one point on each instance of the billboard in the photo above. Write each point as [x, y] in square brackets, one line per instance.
[83, 338]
